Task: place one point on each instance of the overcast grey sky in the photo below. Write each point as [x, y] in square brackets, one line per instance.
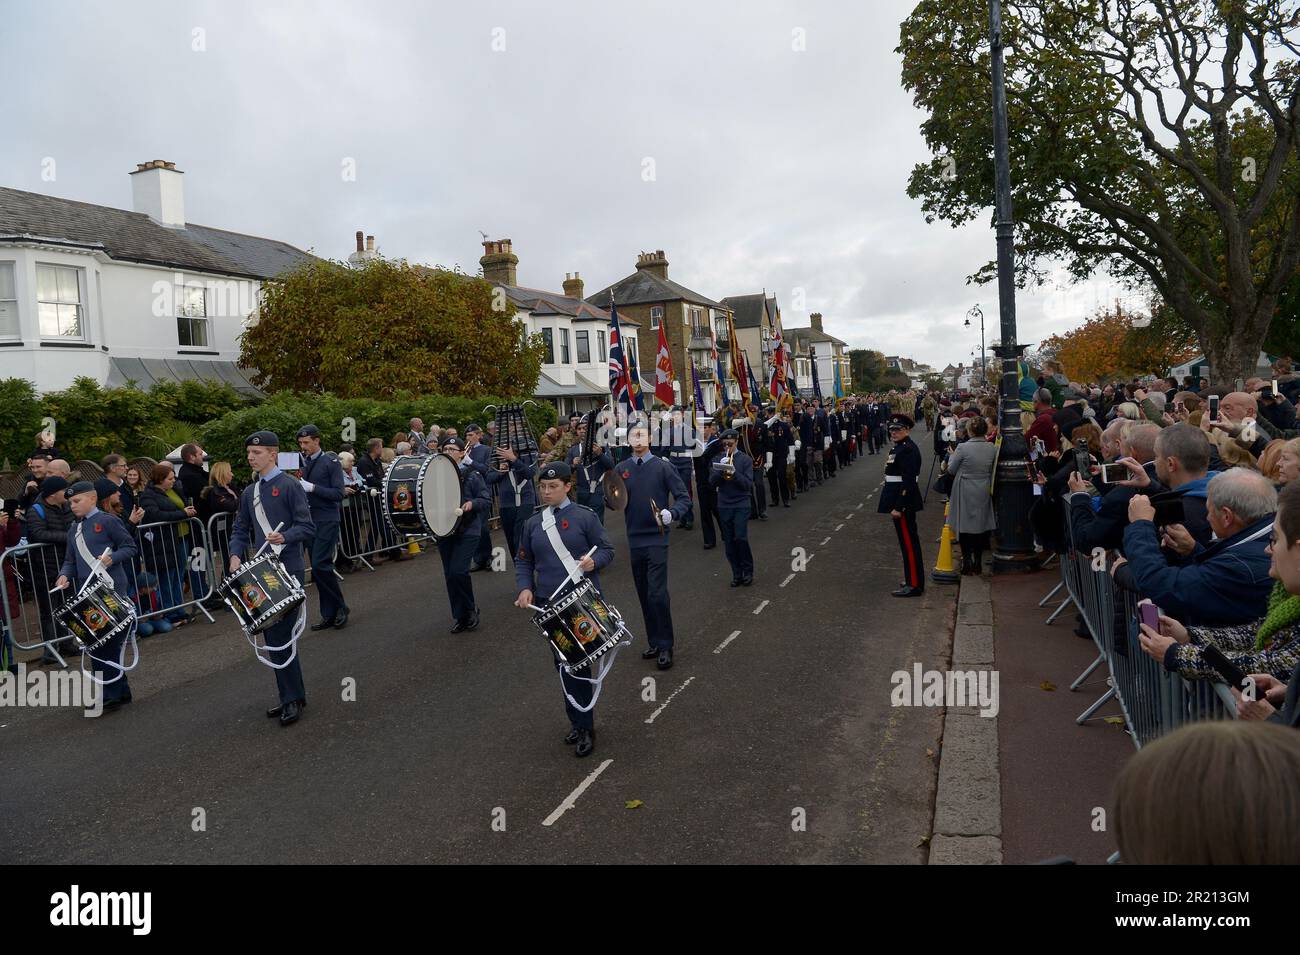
[773, 167]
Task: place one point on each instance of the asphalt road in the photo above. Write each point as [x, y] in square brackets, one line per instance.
[780, 746]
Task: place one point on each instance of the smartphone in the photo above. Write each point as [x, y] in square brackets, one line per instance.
[1040, 446]
[1169, 510]
[1214, 407]
[1083, 463]
[1232, 674]
[1149, 614]
[1274, 384]
[1113, 473]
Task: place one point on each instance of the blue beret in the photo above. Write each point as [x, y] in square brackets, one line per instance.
[556, 471]
[81, 487]
[265, 439]
[309, 431]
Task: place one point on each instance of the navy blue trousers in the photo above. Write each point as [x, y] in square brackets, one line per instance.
[581, 691]
[111, 651]
[328, 590]
[735, 535]
[456, 553]
[483, 552]
[650, 571]
[288, 680]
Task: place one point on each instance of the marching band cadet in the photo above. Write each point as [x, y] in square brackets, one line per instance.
[709, 449]
[901, 499]
[479, 456]
[650, 483]
[681, 455]
[587, 477]
[322, 478]
[457, 549]
[733, 486]
[551, 542]
[275, 499]
[94, 532]
[516, 497]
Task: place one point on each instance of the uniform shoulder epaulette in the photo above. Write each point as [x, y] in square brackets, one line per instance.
[583, 507]
[537, 510]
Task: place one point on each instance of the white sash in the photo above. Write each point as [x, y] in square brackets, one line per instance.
[260, 513]
[518, 488]
[96, 568]
[557, 544]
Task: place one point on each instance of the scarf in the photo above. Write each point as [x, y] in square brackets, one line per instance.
[1283, 611]
[184, 529]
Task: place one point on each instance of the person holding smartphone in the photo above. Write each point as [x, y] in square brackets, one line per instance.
[1267, 646]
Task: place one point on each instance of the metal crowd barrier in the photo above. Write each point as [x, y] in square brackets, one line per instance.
[364, 531]
[1153, 700]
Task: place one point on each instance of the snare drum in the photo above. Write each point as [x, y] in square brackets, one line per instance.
[261, 592]
[580, 626]
[422, 496]
[96, 615]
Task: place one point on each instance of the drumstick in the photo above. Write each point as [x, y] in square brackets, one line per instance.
[571, 578]
[268, 540]
[654, 509]
[91, 576]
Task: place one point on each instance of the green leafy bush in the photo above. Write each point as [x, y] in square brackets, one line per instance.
[20, 419]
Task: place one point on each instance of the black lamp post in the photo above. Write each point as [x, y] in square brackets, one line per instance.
[1013, 546]
[976, 312]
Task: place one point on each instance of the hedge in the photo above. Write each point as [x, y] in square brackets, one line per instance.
[352, 420]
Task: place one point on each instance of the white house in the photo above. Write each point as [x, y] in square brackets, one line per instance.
[94, 291]
[575, 369]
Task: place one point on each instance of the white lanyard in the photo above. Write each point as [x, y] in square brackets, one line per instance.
[91, 561]
[260, 513]
[557, 544]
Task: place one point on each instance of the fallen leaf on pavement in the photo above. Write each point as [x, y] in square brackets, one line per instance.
[1117, 720]
[1047, 685]
[634, 804]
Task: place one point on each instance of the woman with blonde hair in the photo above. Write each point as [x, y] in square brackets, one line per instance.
[1269, 463]
[1288, 461]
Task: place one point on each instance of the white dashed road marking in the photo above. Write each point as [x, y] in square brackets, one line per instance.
[670, 698]
[787, 580]
[718, 649]
[838, 526]
[826, 541]
[759, 608]
[572, 798]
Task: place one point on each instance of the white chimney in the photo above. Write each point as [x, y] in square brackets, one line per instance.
[156, 190]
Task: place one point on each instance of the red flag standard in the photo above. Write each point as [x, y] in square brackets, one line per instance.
[664, 371]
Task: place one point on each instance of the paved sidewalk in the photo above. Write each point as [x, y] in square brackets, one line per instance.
[1054, 773]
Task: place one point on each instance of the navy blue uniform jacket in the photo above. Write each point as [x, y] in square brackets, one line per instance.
[580, 530]
[734, 492]
[101, 530]
[326, 497]
[285, 501]
[654, 479]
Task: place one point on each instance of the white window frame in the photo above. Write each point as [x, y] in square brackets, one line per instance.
[13, 278]
[601, 346]
[582, 337]
[80, 303]
[190, 315]
[548, 342]
[656, 316]
[566, 354]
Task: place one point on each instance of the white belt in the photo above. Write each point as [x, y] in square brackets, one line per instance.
[893, 479]
[680, 454]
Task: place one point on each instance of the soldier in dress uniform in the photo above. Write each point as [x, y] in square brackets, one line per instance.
[275, 499]
[901, 499]
[733, 485]
[93, 532]
[781, 437]
[587, 477]
[456, 550]
[479, 456]
[516, 496]
[562, 532]
[681, 455]
[707, 496]
[321, 477]
[651, 483]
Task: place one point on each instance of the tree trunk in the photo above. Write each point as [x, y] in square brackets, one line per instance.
[1233, 356]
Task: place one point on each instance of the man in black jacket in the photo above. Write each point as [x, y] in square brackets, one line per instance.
[371, 470]
[191, 477]
[322, 478]
[1104, 527]
[710, 521]
[48, 520]
[900, 498]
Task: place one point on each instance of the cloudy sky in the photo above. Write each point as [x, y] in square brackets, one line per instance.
[584, 130]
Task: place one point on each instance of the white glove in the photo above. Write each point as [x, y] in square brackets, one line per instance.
[798, 444]
[307, 486]
[666, 516]
[769, 461]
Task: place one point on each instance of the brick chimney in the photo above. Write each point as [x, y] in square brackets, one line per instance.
[156, 190]
[360, 247]
[498, 262]
[365, 250]
[572, 285]
[816, 319]
[656, 263]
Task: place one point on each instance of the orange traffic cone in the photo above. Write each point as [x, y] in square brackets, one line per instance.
[943, 572]
[413, 548]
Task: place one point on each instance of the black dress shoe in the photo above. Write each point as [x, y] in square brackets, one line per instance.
[665, 658]
[746, 581]
[457, 627]
[908, 592]
[649, 653]
[710, 546]
[341, 619]
[472, 623]
[586, 743]
[476, 566]
[323, 625]
[290, 713]
[574, 734]
[274, 711]
[787, 504]
[735, 581]
[762, 517]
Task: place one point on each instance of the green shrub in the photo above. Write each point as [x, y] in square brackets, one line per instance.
[20, 419]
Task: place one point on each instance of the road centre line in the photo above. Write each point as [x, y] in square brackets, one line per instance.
[718, 649]
[759, 608]
[572, 798]
[670, 697]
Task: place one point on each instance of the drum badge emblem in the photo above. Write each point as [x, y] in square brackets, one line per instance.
[253, 596]
[402, 498]
[272, 582]
[95, 620]
[585, 629]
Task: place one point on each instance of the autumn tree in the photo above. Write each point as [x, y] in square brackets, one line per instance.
[388, 327]
[1113, 344]
[1154, 139]
[866, 367]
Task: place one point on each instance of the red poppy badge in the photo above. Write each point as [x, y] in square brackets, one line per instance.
[626, 475]
[99, 528]
[564, 524]
[275, 492]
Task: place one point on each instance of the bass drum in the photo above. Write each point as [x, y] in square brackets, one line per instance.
[440, 491]
[403, 489]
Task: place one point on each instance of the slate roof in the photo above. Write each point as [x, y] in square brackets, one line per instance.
[811, 336]
[540, 302]
[747, 309]
[134, 237]
[643, 287]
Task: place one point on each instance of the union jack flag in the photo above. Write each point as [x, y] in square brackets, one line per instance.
[620, 375]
